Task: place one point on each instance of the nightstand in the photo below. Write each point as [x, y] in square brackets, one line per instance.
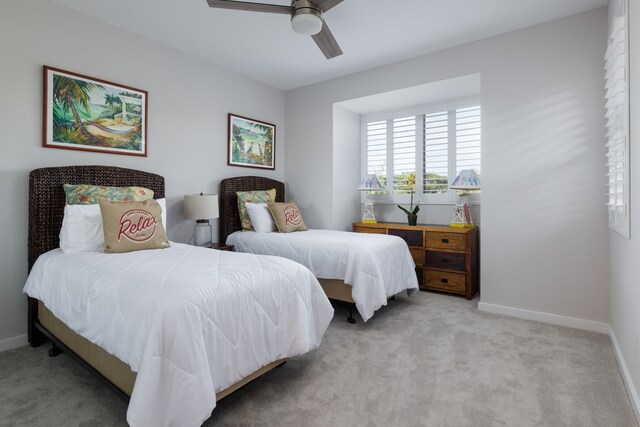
[222, 247]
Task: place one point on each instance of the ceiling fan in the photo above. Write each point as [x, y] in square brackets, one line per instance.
[306, 19]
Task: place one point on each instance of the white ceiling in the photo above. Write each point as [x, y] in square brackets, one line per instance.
[371, 32]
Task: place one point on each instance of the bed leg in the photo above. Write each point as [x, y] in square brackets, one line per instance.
[54, 350]
[36, 338]
[351, 319]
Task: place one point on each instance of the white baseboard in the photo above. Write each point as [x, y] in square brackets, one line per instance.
[626, 376]
[539, 316]
[15, 342]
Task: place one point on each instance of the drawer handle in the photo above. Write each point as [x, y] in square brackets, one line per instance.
[444, 280]
[445, 240]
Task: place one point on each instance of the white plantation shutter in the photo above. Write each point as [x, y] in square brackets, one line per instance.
[468, 139]
[376, 149]
[436, 153]
[616, 115]
[404, 154]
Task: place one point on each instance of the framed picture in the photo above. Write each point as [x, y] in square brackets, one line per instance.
[251, 143]
[85, 113]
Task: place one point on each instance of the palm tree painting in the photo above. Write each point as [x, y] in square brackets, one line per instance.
[85, 113]
[251, 143]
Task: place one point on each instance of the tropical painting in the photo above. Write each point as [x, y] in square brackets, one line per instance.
[251, 143]
[85, 113]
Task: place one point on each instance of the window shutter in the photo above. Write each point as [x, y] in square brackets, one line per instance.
[616, 123]
[376, 143]
[468, 126]
[404, 155]
[435, 154]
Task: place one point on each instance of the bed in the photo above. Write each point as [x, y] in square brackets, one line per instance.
[196, 344]
[377, 267]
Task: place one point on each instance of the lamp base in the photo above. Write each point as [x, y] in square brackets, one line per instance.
[203, 227]
[457, 225]
[369, 221]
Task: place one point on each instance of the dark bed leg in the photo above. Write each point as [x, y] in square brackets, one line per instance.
[36, 338]
[54, 350]
[351, 319]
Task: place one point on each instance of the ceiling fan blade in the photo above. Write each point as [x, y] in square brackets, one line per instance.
[252, 7]
[325, 5]
[327, 43]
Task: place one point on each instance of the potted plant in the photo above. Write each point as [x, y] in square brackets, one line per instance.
[412, 212]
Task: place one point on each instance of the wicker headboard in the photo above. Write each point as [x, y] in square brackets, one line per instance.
[228, 200]
[47, 200]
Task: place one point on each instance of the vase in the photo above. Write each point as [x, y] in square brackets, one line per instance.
[412, 219]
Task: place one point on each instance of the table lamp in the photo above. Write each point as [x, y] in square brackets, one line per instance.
[201, 207]
[369, 183]
[466, 182]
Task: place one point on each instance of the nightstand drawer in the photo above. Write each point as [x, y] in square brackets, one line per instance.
[451, 241]
[370, 230]
[446, 260]
[412, 237]
[418, 256]
[444, 281]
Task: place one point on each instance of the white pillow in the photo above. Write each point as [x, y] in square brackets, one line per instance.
[82, 227]
[261, 218]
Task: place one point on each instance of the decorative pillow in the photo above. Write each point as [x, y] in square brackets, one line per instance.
[258, 196]
[261, 218]
[132, 226]
[85, 194]
[288, 217]
[82, 228]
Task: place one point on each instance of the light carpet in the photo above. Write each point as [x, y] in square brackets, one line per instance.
[431, 360]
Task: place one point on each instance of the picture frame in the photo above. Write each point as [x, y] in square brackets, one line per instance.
[90, 114]
[251, 143]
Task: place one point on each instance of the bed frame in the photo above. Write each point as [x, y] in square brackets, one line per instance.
[46, 210]
[230, 223]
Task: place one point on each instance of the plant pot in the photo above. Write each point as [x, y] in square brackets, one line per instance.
[412, 219]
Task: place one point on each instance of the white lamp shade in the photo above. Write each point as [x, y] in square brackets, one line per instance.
[306, 24]
[201, 206]
[466, 180]
[370, 183]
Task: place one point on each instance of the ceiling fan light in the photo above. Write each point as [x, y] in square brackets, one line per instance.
[306, 23]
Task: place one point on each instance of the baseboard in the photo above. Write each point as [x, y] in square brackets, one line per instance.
[15, 342]
[632, 391]
[539, 316]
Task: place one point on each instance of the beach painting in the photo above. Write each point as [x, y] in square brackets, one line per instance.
[251, 143]
[85, 113]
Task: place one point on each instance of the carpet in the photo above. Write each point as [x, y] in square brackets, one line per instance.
[431, 360]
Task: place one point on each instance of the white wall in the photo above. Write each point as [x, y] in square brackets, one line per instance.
[188, 104]
[625, 253]
[544, 240]
[346, 175]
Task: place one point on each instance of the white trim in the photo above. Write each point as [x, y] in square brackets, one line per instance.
[539, 316]
[15, 342]
[632, 391]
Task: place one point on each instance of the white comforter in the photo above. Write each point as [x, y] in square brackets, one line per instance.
[190, 321]
[376, 266]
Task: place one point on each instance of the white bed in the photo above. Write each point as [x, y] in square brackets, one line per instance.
[376, 266]
[190, 321]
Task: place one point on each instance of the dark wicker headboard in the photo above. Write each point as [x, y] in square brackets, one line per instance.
[47, 200]
[228, 200]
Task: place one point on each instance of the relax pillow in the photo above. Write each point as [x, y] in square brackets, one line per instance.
[259, 196]
[85, 194]
[287, 216]
[260, 217]
[82, 228]
[132, 226]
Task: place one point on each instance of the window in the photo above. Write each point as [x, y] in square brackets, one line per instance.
[423, 149]
[617, 121]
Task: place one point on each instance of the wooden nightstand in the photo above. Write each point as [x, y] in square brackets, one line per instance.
[222, 247]
[446, 258]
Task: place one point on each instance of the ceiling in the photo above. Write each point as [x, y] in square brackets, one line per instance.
[370, 32]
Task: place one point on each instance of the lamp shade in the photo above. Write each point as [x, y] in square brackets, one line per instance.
[370, 183]
[201, 206]
[466, 180]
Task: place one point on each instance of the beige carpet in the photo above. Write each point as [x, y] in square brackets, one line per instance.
[431, 360]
